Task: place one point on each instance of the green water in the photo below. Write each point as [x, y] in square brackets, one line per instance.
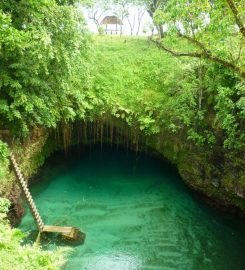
[137, 214]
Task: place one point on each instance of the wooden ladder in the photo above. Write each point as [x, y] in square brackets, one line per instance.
[36, 215]
[71, 233]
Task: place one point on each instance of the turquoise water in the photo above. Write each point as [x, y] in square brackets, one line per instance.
[136, 213]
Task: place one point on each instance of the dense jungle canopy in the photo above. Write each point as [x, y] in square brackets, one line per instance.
[48, 72]
[186, 81]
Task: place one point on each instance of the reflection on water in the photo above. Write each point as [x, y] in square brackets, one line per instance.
[110, 261]
[136, 213]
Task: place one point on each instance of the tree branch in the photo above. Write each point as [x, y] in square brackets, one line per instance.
[236, 16]
[205, 54]
[195, 42]
[174, 53]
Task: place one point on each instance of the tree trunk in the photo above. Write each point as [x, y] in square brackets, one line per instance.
[160, 31]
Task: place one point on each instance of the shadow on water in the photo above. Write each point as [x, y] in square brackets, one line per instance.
[46, 240]
[136, 212]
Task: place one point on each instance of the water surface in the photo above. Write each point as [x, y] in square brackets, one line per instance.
[137, 215]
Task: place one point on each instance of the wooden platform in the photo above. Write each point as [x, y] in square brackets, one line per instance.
[71, 233]
[66, 231]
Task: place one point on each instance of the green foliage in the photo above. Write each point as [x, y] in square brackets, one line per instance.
[3, 150]
[214, 28]
[4, 162]
[4, 207]
[43, 56]
[51, 73]
[14, 255]
[154, 91]
[47, 76]
[101, 30]
[230, 115]
[44, 75]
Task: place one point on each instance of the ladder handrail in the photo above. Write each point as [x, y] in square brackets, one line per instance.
[23, 184]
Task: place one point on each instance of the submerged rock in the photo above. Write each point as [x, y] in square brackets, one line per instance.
[76, 237]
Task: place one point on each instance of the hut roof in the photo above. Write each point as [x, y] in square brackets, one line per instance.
[111, 20]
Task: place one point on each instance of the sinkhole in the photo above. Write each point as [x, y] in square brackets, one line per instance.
[136, 213]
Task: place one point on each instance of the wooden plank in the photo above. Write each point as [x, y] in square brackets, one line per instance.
[71, 233]
[57, 229]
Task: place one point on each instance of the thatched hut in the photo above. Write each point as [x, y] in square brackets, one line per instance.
[111, 25]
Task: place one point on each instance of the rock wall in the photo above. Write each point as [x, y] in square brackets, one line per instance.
[216, 176]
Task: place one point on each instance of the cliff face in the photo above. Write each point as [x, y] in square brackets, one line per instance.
[216, 176]
[220, 179]
[30, 155]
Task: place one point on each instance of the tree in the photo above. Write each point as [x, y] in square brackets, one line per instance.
[135, 17]
[121, 10]
[140, 14]
[215, 29]
[131, 10]
[152, 6]
[97, 9]
[43, 48]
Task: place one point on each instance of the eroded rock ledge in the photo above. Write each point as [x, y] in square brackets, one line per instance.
[216, 176]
